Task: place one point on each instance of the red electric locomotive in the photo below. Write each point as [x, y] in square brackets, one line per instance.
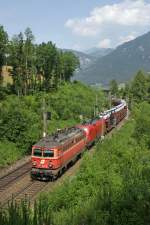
[93, 129]
[52, 154]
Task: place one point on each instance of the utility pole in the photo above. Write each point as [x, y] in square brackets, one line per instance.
[96, 110]
[109, 99]
[44, 118]
[96, 106]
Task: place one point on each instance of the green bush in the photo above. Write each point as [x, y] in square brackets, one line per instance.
[18, 123]
[9, 153]
[142, 129]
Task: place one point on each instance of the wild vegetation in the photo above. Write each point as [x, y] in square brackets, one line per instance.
[21, 117]
[112, 186]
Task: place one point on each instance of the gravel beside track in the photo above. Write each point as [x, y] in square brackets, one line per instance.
[5, 170]
[14, 175]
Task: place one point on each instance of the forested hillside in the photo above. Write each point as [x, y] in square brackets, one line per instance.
[112, 185]
[21, 122]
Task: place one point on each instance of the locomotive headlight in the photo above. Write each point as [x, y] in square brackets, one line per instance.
[85, 129]
[50, 165]
[34, 163]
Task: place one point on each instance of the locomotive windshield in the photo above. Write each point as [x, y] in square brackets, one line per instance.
[37, 152]
[48, 153]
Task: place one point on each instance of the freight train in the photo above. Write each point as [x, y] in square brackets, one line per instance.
[53, 154]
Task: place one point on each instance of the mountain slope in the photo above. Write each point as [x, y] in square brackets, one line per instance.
[121, 64]
[85, 59]
[88, 59]
[98, 52]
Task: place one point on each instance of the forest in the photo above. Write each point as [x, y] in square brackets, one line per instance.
[34, 67]
[112, 184]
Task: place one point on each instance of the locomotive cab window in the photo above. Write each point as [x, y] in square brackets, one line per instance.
[48, 153]
[37, 152]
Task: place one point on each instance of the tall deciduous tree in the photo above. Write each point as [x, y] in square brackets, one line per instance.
[3, 47]
[30, 56]
[69, 63]
[142, 129]
[18, 63]
[46, 62]
[114, 87]
[139, 87]
[22, 59]
[148, 82]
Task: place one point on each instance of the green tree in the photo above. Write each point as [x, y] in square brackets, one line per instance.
[114, 88]
[29, 52]
[19, 123]
[148, 82]
[139, 87]
[69, 64]
[3, 48]
[22, 60]
[142, 129]
[46, 63]
[17, 60]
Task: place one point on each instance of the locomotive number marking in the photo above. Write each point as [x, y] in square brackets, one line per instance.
[42, 161]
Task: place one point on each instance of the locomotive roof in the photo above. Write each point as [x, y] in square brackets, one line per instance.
[59, 138]
[91, 121]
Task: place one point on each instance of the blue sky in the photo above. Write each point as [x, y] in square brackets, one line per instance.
[78, 24]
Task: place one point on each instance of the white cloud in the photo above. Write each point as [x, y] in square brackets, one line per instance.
[105, 43]
[127, 13]
[81, 27]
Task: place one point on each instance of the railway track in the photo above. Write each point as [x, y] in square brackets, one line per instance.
[28, 192]
[14, 176]
[17, 184]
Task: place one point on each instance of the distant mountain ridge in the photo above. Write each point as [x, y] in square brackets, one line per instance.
[98, 52]
[88, 58]
[120, 64]
[85, 59]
